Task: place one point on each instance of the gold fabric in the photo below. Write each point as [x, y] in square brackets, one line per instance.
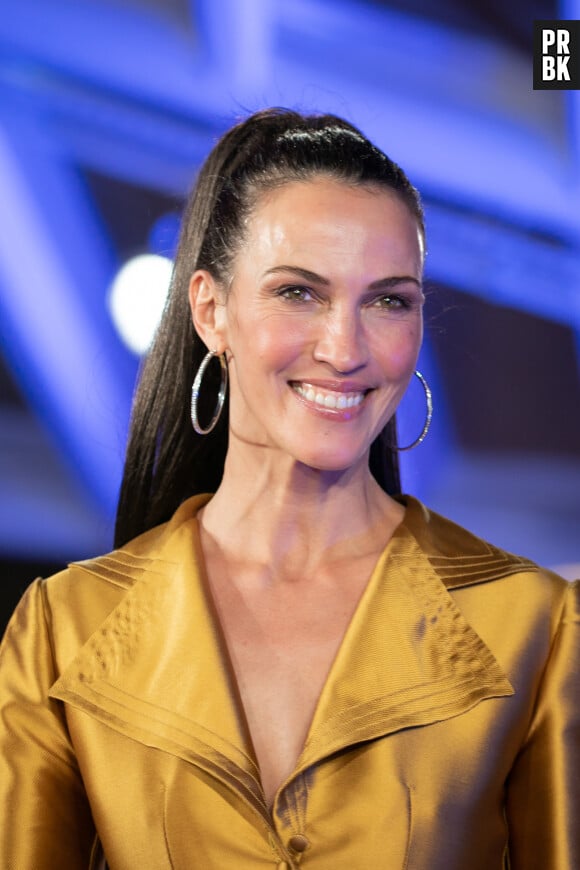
[447, 736]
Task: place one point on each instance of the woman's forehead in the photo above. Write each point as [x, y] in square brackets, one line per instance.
[334, 218]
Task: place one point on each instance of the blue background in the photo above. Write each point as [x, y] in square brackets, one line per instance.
[107, 107]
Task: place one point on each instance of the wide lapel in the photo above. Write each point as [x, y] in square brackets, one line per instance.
[157, 669]
[458, 557]
[409, 657]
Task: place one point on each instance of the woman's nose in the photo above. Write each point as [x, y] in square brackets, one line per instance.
[342, 343]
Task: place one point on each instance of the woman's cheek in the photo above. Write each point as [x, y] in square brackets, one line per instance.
[398, 352]
[282, 343]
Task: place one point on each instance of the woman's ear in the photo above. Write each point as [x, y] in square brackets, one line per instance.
[208, 310]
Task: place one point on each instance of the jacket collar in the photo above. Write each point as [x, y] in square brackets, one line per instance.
[409, 657]
[157, 669]
[458, 557]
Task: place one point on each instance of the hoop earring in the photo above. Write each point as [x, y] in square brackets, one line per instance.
[429, 400]
[221, 395]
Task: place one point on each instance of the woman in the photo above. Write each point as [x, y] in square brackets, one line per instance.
[306, 668]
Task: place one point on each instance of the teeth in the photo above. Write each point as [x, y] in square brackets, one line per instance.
[329, 399]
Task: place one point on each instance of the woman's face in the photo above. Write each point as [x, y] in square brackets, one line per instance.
[323, 320]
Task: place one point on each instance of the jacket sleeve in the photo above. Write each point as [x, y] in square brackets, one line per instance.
[46, 820]
[543, 799]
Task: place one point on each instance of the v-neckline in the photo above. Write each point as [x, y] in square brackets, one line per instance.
[157, 671]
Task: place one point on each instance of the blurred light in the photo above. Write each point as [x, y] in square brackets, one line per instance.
[137, 297]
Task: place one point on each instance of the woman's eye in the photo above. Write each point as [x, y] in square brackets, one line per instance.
[393, 302]
[296, 293]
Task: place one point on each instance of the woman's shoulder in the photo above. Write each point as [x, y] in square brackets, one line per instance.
[72, 604]
[122, 567]
[462, 558]
[506, 598]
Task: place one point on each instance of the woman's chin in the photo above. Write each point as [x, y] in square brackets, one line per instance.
[323, 461]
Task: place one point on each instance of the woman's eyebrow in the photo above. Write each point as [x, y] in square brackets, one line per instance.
[305, 274]
[379, 284]
[387, 283]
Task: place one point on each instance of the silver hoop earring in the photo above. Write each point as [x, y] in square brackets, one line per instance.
[429, 400]
[221, 395]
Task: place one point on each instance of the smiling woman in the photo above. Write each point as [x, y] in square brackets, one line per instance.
[287, 662]
[316, 369]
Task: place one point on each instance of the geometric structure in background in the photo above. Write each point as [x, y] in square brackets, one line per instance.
[129, 211]
[106, 109]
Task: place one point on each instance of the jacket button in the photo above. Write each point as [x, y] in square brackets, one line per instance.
[298, 843]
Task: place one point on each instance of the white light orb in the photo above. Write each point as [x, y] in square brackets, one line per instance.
[137, 297]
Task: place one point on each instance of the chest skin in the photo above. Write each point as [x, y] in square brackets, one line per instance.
[282, 637]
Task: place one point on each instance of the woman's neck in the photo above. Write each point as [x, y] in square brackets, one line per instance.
[294, 519]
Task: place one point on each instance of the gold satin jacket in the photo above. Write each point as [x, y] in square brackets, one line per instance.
[447, 735]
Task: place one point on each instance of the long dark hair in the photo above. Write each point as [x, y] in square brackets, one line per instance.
[166, 460]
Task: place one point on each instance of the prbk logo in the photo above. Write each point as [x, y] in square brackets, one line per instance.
[556, 55]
